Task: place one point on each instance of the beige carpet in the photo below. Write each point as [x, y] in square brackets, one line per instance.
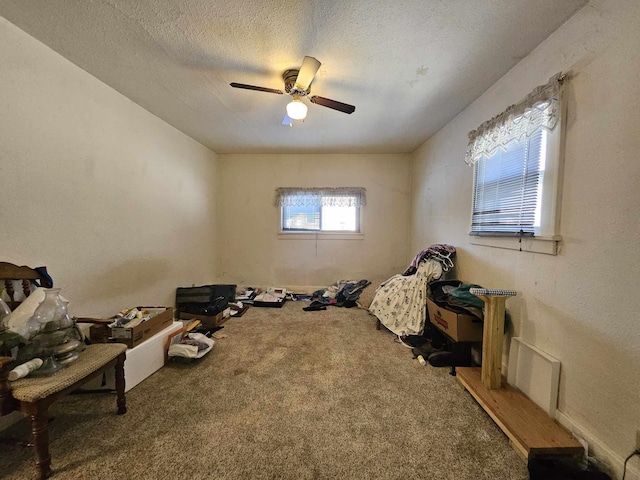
[288, 395]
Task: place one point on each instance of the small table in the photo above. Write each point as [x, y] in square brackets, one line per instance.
[33, 396]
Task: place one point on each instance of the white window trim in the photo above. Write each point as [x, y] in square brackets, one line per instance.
[546, 245]
[552, 181]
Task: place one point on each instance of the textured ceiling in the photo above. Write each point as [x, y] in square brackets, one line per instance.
[409, 66]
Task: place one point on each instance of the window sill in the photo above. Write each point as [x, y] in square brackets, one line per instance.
[545, 245]
[320, 236]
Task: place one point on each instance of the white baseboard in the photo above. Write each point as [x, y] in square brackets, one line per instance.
[608, 460]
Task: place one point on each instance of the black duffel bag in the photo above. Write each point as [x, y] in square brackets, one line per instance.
[204, 300]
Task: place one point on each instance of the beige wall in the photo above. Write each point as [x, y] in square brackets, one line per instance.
[580, 306]
[251, 252]
[116, 203]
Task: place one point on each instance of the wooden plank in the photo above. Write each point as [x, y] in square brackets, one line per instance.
[492, 340]
[529, 427]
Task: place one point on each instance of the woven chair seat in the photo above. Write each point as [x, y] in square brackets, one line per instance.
[91, 359]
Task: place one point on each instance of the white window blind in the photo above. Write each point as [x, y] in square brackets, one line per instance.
[508, 187]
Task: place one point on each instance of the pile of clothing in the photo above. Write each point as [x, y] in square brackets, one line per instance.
[399, 302]
[190, 346]
[454, 295]
[342, 293]
[440, 252]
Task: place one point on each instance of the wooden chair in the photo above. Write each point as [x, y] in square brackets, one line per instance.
[33, 396]
[27, 276]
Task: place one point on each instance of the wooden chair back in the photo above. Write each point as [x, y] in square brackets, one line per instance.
[10, 272]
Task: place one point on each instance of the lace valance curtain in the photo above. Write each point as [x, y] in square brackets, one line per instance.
[540, 109]
[320, 196]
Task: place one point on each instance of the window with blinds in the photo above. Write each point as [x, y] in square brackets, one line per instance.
[320, 210]
[517, 160]
[508, 188]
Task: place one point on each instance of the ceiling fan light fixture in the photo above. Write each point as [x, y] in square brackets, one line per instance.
[296, 109]
[297, 83]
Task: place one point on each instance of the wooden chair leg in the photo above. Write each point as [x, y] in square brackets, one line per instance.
[120, 384]
[377, 324]
[40, 433]
[7, 402]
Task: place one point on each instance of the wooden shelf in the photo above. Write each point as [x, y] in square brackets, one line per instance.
[529, 428]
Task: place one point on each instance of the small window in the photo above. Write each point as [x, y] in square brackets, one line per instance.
[320, 210]
[517, 167]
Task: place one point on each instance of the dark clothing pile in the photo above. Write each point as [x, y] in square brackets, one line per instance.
[343, 293]
[454, 295]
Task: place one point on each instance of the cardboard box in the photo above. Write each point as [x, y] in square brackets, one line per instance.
[99, 332]
[161, 319]
[460, 327]
[142, 361]
[208, 321]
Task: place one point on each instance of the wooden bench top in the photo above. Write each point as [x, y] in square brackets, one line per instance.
[532, 431]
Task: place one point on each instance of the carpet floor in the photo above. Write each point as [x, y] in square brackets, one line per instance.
[287, 395]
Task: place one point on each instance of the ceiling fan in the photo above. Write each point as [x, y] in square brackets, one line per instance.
[297, 83]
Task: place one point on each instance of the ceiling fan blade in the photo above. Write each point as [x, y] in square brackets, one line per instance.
[258, 89]
[327, 102]
[307, 71]
[287, 120]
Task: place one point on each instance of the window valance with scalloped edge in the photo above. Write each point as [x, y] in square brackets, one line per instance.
[540, 109]
[320, 196]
